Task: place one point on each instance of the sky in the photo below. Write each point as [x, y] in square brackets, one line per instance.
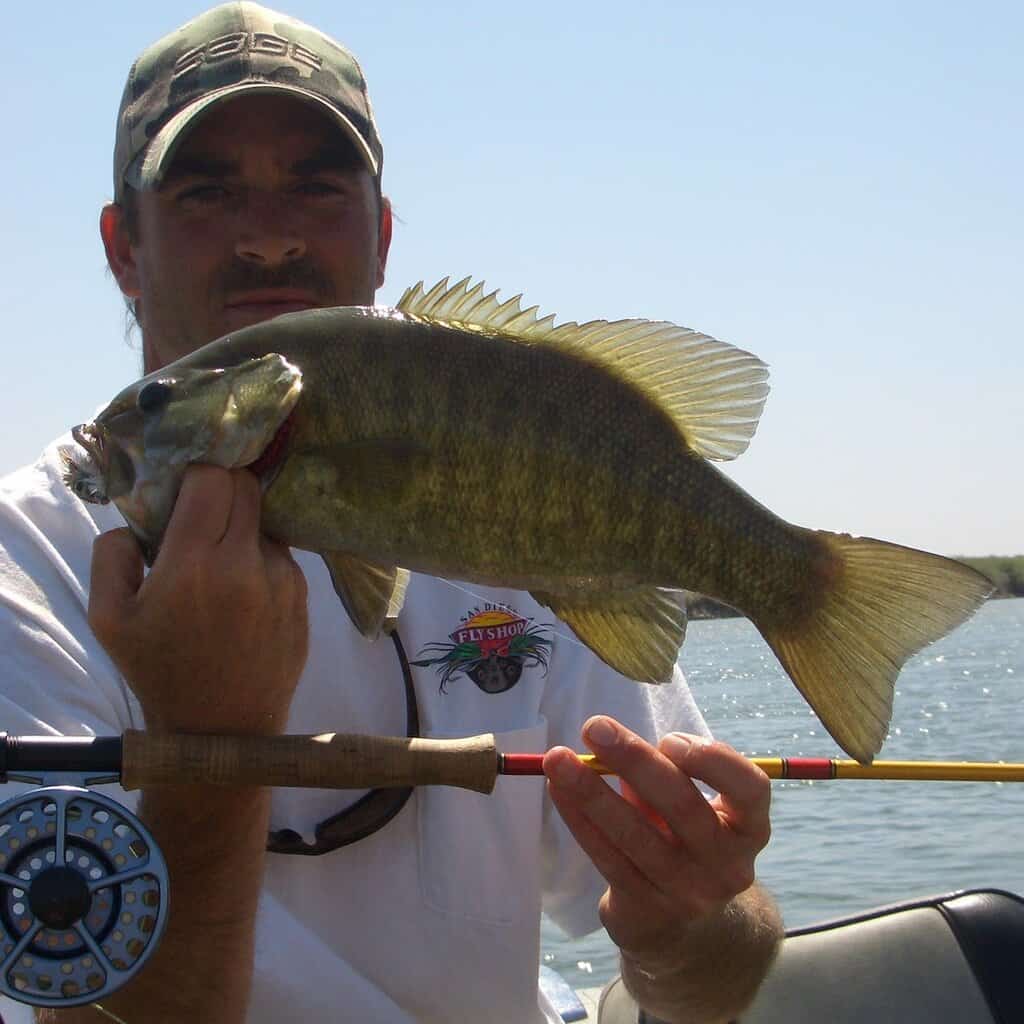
[834, 187]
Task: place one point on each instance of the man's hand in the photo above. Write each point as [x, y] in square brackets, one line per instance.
[214, 638]
[696, 934]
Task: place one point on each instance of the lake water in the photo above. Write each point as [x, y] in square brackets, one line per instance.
[847, 845]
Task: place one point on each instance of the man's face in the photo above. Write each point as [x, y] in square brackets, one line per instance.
[265, 209]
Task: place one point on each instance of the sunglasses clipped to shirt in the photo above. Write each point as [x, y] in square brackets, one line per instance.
[369, 813]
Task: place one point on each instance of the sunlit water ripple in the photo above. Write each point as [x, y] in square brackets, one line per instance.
[843, 846]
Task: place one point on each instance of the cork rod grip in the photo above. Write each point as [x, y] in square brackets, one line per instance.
[327, 761]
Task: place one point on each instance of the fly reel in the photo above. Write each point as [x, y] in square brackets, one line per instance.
[83, 896]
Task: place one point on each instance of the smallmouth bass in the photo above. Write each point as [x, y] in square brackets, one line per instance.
[467, 438]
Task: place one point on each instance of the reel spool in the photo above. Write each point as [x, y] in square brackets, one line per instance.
[83, 896]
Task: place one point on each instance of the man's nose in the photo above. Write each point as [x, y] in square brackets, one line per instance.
[268, 235]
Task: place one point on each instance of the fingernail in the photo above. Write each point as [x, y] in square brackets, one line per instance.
[565, 771]
[679, 744]
[602, 733]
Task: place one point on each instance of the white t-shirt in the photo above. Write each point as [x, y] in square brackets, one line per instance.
[436, 916]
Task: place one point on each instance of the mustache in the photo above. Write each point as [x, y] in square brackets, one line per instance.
[244, 276]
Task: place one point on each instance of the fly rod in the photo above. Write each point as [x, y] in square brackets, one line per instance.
[350, 761]
[826, 768]
[86, 887]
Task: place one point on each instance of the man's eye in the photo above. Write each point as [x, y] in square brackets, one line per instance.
[319, 188]
[203, 194]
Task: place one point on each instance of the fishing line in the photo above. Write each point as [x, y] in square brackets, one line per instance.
[107, 1013]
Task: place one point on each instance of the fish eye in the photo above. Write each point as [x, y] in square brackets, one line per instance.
[154, 396]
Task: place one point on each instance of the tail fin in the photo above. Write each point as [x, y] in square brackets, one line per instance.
[888, 602]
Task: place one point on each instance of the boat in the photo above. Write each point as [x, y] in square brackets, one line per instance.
[953, 958]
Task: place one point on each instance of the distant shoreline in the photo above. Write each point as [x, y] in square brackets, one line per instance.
[698, 606]
[1005, 571]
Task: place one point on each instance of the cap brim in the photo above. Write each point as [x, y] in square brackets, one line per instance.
[147, 170]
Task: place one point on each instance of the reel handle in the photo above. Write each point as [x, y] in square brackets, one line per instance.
[327, 761]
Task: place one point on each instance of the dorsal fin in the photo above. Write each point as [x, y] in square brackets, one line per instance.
[712, 390]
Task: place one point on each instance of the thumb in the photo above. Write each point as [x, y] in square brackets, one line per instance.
[117, 574]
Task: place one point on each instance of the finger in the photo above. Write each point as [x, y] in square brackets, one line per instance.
[655, 871]
[630, 846]
[744, 789]
[286, 578]
[115, 577]
[652, 777]
[201, 512]
[586, 804]
[243, 525]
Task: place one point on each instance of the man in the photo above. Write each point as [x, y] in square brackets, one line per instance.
[247, 184]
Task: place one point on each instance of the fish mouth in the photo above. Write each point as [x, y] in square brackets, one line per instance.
[84, 473]
[89, 437]
[269, 461]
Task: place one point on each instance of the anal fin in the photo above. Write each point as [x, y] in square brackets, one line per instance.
[372, 594]
[638, 632]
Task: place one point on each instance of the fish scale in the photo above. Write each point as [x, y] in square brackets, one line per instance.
[467, 502]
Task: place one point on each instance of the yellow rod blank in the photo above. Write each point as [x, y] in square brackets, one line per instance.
[911, 771]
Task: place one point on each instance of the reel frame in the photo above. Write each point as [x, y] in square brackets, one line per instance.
[83, 892]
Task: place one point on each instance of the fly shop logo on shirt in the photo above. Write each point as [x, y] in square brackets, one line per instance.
[491, 645]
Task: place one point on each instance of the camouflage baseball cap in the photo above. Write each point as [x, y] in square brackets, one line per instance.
[234, 48]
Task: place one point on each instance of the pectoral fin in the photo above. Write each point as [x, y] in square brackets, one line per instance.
[372, 594]
[637, 632]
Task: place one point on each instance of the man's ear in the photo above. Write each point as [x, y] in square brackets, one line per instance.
[383, 238]
[119, 250]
